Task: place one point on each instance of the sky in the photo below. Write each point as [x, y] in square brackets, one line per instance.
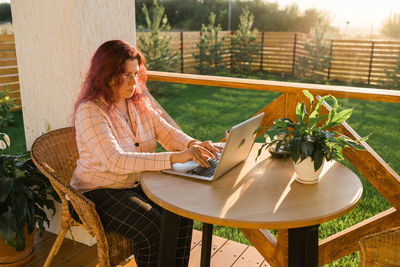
[365, 15]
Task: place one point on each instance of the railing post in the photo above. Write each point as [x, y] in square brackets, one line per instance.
[262, 51]
[370, 62]
[294, 53]
[182, 52]
[330, 61]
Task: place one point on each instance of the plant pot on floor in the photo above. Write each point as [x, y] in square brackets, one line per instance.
[305, 172]
[10, 257]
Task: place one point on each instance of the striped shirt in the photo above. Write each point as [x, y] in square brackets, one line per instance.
[111, 155]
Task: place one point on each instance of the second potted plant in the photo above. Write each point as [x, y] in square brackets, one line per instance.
[310, 141]
[24, 193]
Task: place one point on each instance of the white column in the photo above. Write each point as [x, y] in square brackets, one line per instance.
[55, 40]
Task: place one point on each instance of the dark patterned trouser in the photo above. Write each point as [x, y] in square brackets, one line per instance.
[130, 213]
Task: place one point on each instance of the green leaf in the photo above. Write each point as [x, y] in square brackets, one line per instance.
[321, 118]
[341, 117]
[20, 239]
[300, 112]
[309, 96]
[20, 204]
[6, 185]
[295, 156]
[8, 227]
[297, 144]
[312, 119]
[307, 148]
[318, 159]
[321, 101]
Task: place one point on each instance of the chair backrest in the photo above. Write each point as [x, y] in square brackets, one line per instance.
[57, 150]
[381, 249]
[55, 154]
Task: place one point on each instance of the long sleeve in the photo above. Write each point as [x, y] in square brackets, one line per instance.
[168, 136]
[94, 129]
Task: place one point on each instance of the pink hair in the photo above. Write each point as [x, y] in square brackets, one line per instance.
[106, 66]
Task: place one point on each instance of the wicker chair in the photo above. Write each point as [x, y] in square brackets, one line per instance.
[381, 249]
[55, 154]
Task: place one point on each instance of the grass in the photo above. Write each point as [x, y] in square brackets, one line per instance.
[206, 112]
[17, 134]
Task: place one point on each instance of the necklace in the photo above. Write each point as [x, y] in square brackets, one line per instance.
[125, 115]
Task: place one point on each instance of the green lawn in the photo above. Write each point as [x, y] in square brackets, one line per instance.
[206, 112]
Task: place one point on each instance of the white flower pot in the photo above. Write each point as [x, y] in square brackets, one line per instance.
[305, 172]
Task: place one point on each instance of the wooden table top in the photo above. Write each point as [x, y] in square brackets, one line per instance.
[258, 194]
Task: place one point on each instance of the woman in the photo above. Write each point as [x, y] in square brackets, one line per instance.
[117, 126]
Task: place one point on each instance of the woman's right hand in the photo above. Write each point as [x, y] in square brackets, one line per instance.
[196, 153]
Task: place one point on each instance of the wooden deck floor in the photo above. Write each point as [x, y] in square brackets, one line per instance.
[224, 253]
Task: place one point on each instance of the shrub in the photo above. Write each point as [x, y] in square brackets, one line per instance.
[155, 46]
[313, 64]
[245, 47]
[393, 77]
[210, 48]
[6, 104]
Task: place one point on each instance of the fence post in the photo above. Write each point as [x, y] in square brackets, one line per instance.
[294, 53]
[201, 61]
[181, 52]
[330, 61]
[231, 50]
[370, 62]
[261, 51]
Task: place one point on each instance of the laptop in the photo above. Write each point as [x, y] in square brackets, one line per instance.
[236, 149]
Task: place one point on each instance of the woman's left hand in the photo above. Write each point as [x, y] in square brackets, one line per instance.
[209, 145]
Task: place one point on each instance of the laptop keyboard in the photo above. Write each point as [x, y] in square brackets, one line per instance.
[203, 171]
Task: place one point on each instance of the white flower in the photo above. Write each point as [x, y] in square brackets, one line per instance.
[7, 139]
[2, 145]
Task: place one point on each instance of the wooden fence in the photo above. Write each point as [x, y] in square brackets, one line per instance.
[8, 68]
[352, 60]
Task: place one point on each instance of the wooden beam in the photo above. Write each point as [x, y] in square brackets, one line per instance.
[374, 168]
[275, 251]
[282, 247]
[371, 165]
[276, 86]
[264, 242]
[345, 242]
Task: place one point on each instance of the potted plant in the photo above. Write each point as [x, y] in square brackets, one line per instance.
[24, 193]
[310, 141]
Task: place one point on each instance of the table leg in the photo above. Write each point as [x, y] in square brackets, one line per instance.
[206, 245]
[168, 239]
[303, 246]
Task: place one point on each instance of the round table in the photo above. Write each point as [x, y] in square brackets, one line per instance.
[259, 194]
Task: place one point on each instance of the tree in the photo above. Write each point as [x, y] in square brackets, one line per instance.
[245, 47]
[312, 65]
[154, 44]
[268, 16]
[391, 27]
[5, 12]
[393, 77]
[210, 48]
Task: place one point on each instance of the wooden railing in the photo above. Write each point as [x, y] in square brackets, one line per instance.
[368, 162]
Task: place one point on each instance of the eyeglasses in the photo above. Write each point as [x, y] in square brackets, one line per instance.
[130, 76]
